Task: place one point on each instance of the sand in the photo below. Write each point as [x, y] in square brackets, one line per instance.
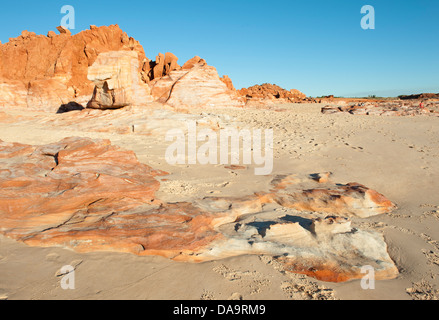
[397, 156]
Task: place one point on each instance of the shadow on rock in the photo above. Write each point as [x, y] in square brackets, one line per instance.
[71, 106]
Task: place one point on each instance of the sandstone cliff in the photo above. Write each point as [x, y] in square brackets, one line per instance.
[104, 69]
[48, 71]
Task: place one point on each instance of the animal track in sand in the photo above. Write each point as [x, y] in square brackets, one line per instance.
[429, 240]
[423, 290]
[252, 280]
[179, 187]
[299, 287]
[207, 295]
[434, 213]
[235, 296]
[431, 256]
[306, 291]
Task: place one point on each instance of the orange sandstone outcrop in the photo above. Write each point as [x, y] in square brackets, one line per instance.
[228, 82]
[346, 200]
[196, 84]
[52, 70]
[271, 93]
[163, 65]
[88, 195]
[117, 80]
[46, 72]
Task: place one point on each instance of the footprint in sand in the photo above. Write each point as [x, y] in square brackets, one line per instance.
[235, 296]
[431, 256]
[207, 295]
[423, 290]
[251, 280]
[299, 287]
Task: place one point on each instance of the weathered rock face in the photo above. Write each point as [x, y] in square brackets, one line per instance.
[73, 180]
[13, 93]
[194, 85]
[117, 79]
[46, 72]
[152, 121]
[228, 82]
[53, 69]
[90, 196]
[163, 65]
[271, 93]
[345, 200]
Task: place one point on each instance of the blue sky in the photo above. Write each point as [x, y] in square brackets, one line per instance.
[316, 46]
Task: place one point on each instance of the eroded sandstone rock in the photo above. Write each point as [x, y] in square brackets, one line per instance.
[228, 82]
[117, 79]
[88, 195]
[270, 94]
[53, 69]
[346, 200]
[196, 84]
[44, 187]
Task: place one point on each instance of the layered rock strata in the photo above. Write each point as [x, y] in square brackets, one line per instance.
[88, 195]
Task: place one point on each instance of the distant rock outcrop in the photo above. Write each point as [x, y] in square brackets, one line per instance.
[421, 96]
[46, 72]
[271, 93]
[387, 108]
[228, 82]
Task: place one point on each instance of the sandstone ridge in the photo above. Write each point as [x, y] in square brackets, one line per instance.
[102, 68]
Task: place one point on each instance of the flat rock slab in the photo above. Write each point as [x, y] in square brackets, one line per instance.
[88, 195]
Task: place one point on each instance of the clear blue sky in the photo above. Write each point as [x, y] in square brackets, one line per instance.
[316, 46]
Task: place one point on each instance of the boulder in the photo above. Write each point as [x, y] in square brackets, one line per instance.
[344, 200]
[228, 82]
[64, 30]
[194, 85]
[87, 195]
[163, 65]
[117, 80]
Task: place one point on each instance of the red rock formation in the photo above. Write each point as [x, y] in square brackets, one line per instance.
[53, 68]
[270, 93]
[228, 82]
[46, 72]
[192, 62]
[91, 196]
[44, 187]
[163, 65]
[346, 200]
[196, 84]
